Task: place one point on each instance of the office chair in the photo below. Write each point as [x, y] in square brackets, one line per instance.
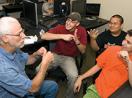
[125, 91]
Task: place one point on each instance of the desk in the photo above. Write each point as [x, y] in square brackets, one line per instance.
[92, 24]
[34, 47]
[12, 8]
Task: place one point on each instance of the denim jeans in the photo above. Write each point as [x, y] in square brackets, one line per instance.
[68, 65]
[48, 90]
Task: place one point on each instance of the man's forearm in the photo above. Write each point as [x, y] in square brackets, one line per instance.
[50, 36]
[93, 44]
[33, 58]
[90, 72]
[81, 48]
[38, 79]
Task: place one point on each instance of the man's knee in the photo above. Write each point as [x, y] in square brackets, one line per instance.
[53, 86]
[49, 87]
[72, 77]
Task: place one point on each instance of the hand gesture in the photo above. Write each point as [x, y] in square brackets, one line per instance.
[77, 84]
[41, 51]
[68, 37]
[93, 33]
[108, 45]
[76, 38]
[47, 58]
[124, 55]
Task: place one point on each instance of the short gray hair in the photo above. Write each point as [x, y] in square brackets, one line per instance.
[6, 24]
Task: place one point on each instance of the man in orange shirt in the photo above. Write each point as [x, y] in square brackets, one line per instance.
[114, 63]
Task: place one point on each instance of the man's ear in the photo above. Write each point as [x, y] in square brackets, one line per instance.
[4, 38]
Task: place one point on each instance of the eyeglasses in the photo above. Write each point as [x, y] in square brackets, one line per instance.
[18, 33]
[72, 21]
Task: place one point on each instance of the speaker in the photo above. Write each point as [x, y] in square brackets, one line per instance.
[61, 7]
[79, 6]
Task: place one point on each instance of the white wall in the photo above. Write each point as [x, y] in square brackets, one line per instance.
[111, 7]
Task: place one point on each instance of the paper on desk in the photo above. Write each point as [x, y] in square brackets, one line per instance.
[30, 40]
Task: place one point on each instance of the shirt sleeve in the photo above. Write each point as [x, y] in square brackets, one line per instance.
[100, 40]
[55, 30]
[12, 80]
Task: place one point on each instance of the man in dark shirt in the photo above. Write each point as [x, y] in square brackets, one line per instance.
[114, 36]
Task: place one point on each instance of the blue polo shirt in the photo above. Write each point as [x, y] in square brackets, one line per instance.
[14, 82]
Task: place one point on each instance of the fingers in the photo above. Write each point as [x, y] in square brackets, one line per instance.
[68, 37]
[76, 89]
[88, 32]
[75, 32]
[93, 33]
[124, 55]
[48, 57]
[42, 51]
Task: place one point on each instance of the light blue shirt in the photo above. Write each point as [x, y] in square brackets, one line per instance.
[14, 82]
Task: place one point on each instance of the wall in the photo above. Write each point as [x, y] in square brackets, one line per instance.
[111, 7]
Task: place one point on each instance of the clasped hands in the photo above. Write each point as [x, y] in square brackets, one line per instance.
[47, 56]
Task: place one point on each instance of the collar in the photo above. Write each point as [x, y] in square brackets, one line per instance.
[10, 56]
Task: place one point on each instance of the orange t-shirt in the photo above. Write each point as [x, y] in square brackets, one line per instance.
[114, 72]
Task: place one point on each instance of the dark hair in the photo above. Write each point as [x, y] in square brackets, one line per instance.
[120, 17]
[129, 32]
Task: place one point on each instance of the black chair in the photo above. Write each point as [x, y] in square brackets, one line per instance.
[125, 91]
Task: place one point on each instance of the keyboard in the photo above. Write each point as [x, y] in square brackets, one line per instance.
[49, 23]
[45, 18]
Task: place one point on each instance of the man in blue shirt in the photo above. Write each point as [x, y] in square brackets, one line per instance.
[14, 82]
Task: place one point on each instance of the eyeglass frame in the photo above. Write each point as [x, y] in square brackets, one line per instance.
[17, 35]
[73, 21]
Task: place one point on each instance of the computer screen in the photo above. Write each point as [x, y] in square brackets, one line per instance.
[17, 2]
[61, 7]
[30, 12]
[79, 6]
[92, 9]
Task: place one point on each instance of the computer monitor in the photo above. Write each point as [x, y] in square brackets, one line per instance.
[92, 9]
[17, 2]
[30, 12]
[61, 7]
[79, 6]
